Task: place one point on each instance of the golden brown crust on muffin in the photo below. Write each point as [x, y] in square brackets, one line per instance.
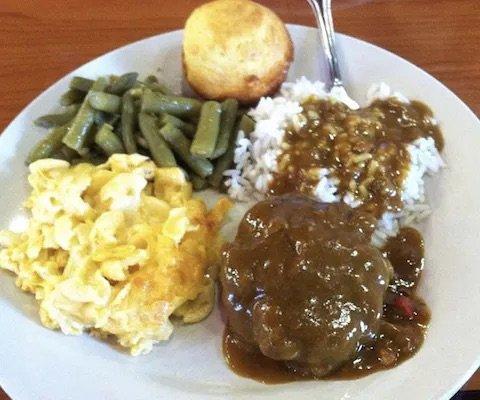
[235, 48]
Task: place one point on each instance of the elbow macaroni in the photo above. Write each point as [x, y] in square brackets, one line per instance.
[115, 249]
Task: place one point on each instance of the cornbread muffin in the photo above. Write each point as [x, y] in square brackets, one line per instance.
[235, 48]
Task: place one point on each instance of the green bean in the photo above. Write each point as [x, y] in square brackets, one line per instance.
[49, 145]
[128, 122]
[155, 102]
[161, 153]
[203, 144]
[222, 164]
[245, 125]
[151, 79]
[62, 154]
[107, 102]
[160, 87]
[58, 155]
[105, 118]
[108, 141]
[148, 85]
[136, 92]
[52, 120]
[68, 153]
[123, 83]
[72, 96]
[227, 123]
[76, 136]
[117, 130]
[152, 83]
[198, 182]
[181, 146]
[141, 141]
[185, 127]
[84, 151]
[82, 84]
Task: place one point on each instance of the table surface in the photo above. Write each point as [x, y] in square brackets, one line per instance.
[42, 40]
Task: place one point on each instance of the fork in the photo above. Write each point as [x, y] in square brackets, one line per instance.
[322, 10]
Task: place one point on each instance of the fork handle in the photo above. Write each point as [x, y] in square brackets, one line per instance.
[322, 10]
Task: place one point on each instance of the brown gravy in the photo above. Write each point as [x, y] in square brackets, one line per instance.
[365, 148]
[249, 277]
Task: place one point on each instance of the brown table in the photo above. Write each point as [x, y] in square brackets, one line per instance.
[42, 40]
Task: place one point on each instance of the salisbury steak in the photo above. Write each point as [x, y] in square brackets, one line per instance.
[302, 283]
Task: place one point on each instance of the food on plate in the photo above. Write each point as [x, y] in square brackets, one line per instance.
[116, 249]
[295, 279]
[203, 144]
[245, 127]
[306, 294]
[375, 158]
[121, 114]
[366, 152]
[320, 280]
[237, 49]
[159, 149]
[182, 107]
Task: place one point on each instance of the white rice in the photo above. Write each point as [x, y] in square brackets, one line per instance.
[256, 157]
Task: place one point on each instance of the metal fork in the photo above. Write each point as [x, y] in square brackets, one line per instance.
[323, 14]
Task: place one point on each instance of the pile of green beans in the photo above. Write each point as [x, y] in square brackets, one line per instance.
[122, 114]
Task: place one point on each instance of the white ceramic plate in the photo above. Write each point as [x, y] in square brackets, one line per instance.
[36, 363]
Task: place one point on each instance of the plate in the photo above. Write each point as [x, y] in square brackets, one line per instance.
[41, 364]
